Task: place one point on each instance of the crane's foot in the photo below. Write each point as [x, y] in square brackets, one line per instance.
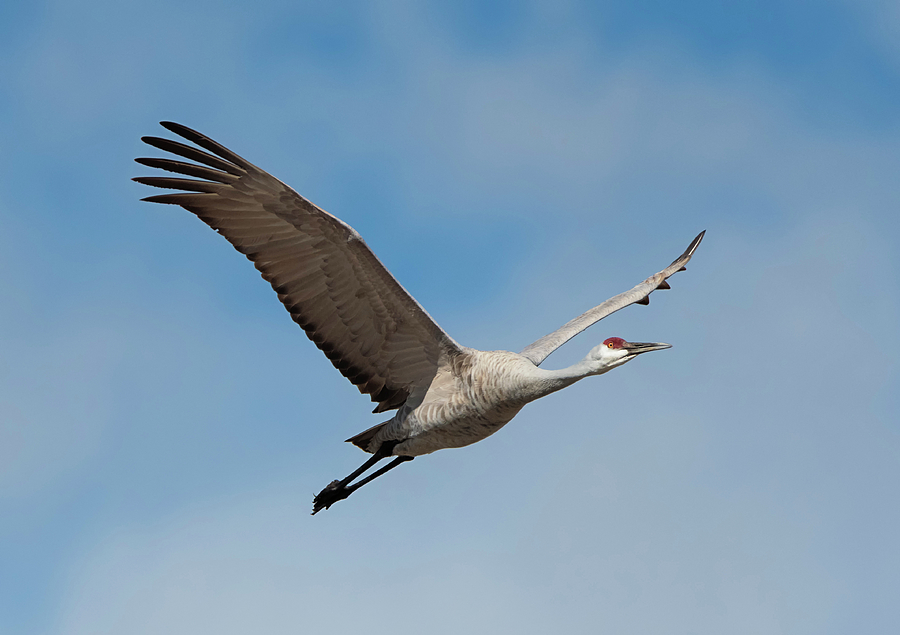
[339, 490]
[335, 491]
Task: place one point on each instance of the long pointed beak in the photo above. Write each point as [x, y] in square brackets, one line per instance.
[636, 348]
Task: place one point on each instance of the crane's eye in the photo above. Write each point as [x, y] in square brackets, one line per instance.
[610, 345]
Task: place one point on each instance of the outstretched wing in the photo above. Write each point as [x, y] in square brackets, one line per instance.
[539, 350]
[334, 287]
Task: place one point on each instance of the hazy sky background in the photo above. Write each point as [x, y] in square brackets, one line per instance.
[164, 425]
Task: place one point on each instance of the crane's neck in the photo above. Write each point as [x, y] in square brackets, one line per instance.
[545, 382]
[501, 377]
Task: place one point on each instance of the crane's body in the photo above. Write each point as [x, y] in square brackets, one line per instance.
[473, 396]
[476, 394]
[446, 395]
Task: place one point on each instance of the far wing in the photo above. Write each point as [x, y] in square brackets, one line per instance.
[334, 287]
[538, 351]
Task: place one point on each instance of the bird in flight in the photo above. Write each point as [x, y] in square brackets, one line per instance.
[371, 329]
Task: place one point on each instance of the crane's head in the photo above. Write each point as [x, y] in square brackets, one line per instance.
[615, 351]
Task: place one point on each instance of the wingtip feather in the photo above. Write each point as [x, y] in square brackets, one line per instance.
[695, 243]
[177, 128]
[206, 143]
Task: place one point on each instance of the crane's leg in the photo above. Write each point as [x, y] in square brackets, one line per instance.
[339, 490]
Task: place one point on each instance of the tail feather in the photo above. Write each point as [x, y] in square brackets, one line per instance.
[363, 439]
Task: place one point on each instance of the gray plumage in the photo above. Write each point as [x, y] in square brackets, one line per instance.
[366, 323]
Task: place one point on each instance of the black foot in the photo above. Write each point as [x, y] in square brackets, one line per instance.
[332, 493]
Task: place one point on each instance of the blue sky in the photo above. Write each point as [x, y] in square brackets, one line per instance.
[164, 425]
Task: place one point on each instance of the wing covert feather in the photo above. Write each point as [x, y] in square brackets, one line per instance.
[370, 328]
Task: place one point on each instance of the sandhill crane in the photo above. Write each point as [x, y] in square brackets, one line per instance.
[372, 330]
